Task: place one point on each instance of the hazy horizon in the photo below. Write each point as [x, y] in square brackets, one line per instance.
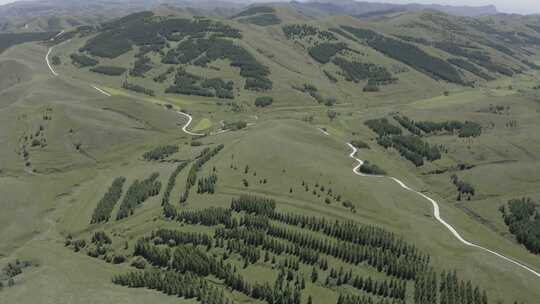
[504, 6]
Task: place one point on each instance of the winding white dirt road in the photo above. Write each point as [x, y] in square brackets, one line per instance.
[436, 212]
[48, 63]
[323, 131]
[101, 91]
[58, 35]
[190, 119]
[184, 128]
[56, 74]
[49, 53]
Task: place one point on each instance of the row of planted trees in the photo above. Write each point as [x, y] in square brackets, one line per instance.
[203, 158]
[184, 252]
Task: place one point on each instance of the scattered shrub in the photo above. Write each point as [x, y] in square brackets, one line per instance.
[160, 153]
[118, 259]
[142, 65]
[139, 263]
[137, 88]
[234, 126]
[372, 169]
[359, 144]
[371, 88]
[264, 101]
[463, 187]
[101, 238]
[109, 70]
[83, 60]
[55, 60]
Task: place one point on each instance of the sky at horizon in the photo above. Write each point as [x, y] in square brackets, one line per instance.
[506, 6]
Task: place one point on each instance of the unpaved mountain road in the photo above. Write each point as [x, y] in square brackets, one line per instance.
[436, 212]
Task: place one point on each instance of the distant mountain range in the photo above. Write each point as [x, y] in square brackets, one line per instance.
[35, 8]
[50, 15]
[28, 9]
[45, 15]
[359, 8]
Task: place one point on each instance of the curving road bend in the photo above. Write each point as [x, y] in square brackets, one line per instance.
[184, 128]
[49, 53]
[190, 119]
[436, 213]
[49, 63]
[56, 74]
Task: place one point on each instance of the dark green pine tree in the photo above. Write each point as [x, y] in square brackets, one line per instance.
[314, 275]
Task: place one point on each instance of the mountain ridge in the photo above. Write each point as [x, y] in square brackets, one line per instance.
[20, 13]
[352, 7]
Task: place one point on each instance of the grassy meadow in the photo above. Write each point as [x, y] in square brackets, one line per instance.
[87, 139]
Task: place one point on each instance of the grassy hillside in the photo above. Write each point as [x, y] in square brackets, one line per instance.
[107, 199]
[340, 56]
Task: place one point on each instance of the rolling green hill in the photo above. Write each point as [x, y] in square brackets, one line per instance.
[175, 158]
[262, 51]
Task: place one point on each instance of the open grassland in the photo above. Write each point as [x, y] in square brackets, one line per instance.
[51, 192]
[377, 202]
[203, 124]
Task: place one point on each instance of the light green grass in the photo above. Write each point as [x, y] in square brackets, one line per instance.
[203, 124]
